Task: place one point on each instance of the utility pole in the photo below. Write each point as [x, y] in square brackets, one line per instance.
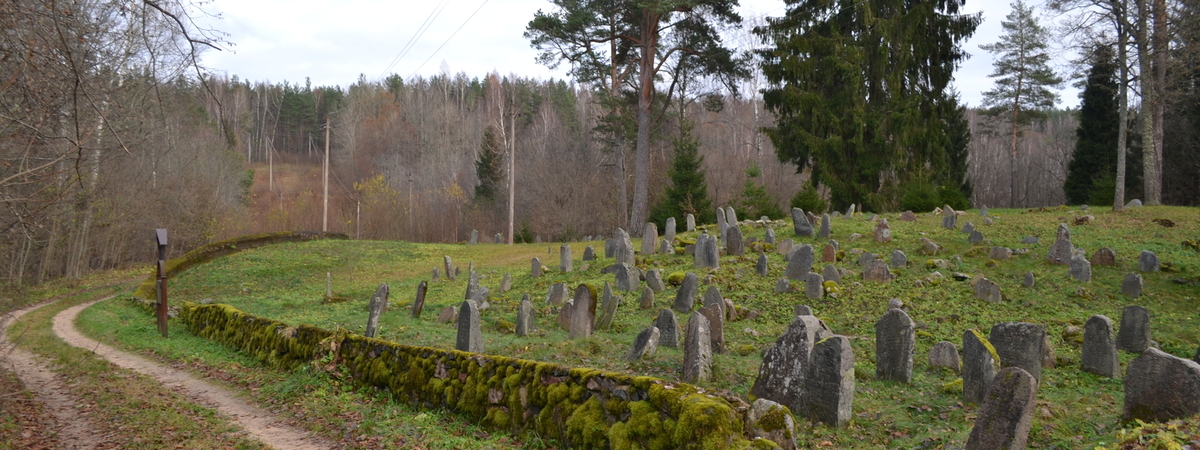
[512, 171]
[325, 220]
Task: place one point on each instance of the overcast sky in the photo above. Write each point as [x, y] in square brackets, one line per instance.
[278, 40]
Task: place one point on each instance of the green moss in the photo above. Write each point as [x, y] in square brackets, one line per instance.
[775, 419]
[763, 444]
[676, 278]
[991, 349]
[586, 428]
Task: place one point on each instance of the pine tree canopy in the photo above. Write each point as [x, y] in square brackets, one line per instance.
[488, 167]
[1095, 154]
[688, 192]
[1023, 78]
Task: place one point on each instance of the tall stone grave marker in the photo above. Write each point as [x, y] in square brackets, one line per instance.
[685, 297]
[419, 302]
[895, 340]
[690, 222]
[526, 317]
[449, 265]
[733, 241]
[697, 353]
[830, 382]
[1134, 335]
[669, 232]
[583, 313]
[650, 239]
[825, 230]
[1019, 344]
[668, 328]
[1132, 285]
[979, 366]
[470, 339]
[800, 223]
[1007, 414]
[1099, 348]
[564, 258]
[800, 261]
[376, 308]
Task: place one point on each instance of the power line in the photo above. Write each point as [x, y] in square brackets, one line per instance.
[460, 27]
[433, 15]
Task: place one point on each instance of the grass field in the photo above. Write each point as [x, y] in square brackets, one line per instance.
[1075, 409]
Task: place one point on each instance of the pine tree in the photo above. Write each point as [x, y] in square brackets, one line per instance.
[756, 201]
[956, 187]
[1094, 160]
[688, 193]
[488, 167]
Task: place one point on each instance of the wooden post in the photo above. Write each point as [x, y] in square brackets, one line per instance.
[160, 284]
[325, 171]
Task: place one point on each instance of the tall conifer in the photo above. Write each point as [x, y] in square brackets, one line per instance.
[1094, 160]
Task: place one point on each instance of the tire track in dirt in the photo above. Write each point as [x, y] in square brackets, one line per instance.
[258, 422]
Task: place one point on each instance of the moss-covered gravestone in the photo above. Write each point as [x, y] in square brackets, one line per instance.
[668, 328]
[1019, 344]
[697, 350]
[1007, 413]
[1161, 387]
[829, 386]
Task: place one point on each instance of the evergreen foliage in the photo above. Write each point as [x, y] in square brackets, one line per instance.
[955, 183]
[688, 193]
[808, 199]
[1023, 77]
[488, 167]
[756, 201]
[1094, 161]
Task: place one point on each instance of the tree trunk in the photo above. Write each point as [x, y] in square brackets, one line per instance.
[1122, 111]
[641, 174]
[1150, 174]
[1158, 101]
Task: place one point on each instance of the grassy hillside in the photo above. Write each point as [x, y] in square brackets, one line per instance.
[1076, 410]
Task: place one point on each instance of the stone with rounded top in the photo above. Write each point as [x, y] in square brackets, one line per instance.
[895, 340]
[1006, 415]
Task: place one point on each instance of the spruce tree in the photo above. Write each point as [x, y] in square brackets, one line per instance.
[955, 187]
[488, 168]
[756, 201]
[688, 192]
[1094, 160]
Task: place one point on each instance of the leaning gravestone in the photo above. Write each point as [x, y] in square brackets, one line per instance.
[850, 211]
[685, 297]
[1099, 348]
[564, 258]
[647, 301]
[1148, 262]
[1007, 413]
[654, 280]
[763, 421]
[623, 247]
[472, 285]
[376, 308]
[1132, 285]
[733, 241]
[668, 328]
[716, 326]
[628, 277]
[557, 294]
[650, 239]
[469, 337]
[697, 353]
[1104, 257]
[589, 253]
[760, 267]
[825, 231]
[525, 316]
[644, 345]
[721, 224]
[814, 286]
[800, 261]
[899, 259]
[988, 291]
[895, 339]
[1019, 344]
[979, 366]
[785, 365]
[944, 354]
[800, 223]
[669, 231]
[449, 265]
[1081, 269]
[582, 314]
[419, 303]
[608, 309]
[1161, 387]
[1134, 335]
[690, 222]
[831, 273]
[535, 267]
[830, 382]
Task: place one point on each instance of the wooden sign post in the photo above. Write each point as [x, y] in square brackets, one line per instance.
[160, 283]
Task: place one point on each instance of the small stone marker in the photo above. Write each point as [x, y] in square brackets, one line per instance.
[975, 238]
[1099, 348]
[782, 286]
[685, 297]
[1134, 335]
[763, 420]
[436, 274]
[721, 223]
[1148, 262]
[470, 339]
[668, 328]
[908, 216]
[690, 221]
[983, 211]
[800, 262]
[1060, 252]
[814, 286]
[623, 247]
[1135, 203]
[1104, 257]
[608, 309]
[800, 223]
[828, 253]
[899, 259]
[988, 291]
[697, 353]
[760, 267]
[506, 283]
[802, 310]
[650, 239]
[589, 253]
[785, 246]
[1019, 344]
[474, 237]
[665, 247]
[978, 366]
[564, 258]
[968, 228]
[535, 267]
[825, 231]
[449, 266]
[1007, 413]
[419, 302]
[472, 285]
[1029, 240]
[376, 308]
[1029, 280]
[1132, 285]
[831, 273]
[769, 236]
[654, 280]
[628, 277]
[830, 382]
[944, 354]
[647, 301]
[1161, 387]
[883, 232]
[448, 314]
[644, 345]
[715, 315]
[1081, 269]
[582, 314]
[669, 230]
[895, 339]
[785, 365]
[557, 294]
[950, 221]
[525, 316]
[877, 271]
[1000, 253]
[733, 241]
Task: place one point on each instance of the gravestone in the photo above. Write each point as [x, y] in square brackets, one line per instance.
[436, 274]
[690, 222]
[988, 291]
[1104, 257]
[526, 319]
[610, 248]
[1161, 387]
[1135, 203]
[712, 296]
[883, 232]
[1132, 285]
[685, 297]
[650, 239]
[908, 216]
[895, 303]
[975, 238]
[644, 345]
[474, 237]
[668, 328]
[950, 221]
[1029, 280]
[800, 223]
[628, 277]
[763, 422]
[1099, 348]
[472, 285]
[800, 262]
[830, 382]
[654, 280]
[701, 256]
[1029, 240]
[968, 228]
[929, 248]
[557, 294]
[1007, 413]
[589, 253]
[623, 247]
[802, 310]
[944, 354]
[470, 339]
[895, 339]
[1019, 344]
[449, 266]
[785, 246]
[665, 247]
[730, 216]
[899, 259]
[1000, 253]
[850, 211]
[1081, 269]
[647, 300]
[669, 230]
[564, 314]
[979, 365]
[760, 267]
[828, 253]
[831, 273]
[1062, 250]
[733, 241]
[825, 231]
[583, 313]
[783, 286]
[1148, 262]
[419, 303]
[814, 286]
[535, 267]
[608, 309]
[376, 308]
[877, 271]
[983, 211]
[785, 365]
[769, 236]
[329, 284]
[813, 219]
[506, 283]
[716, 326]
[721, 224]
[564, 258]
[1134, 335]
[697, 353]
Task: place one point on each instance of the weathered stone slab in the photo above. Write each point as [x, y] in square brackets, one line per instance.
[908, 216]
[1029, 280]
[623, 247]
[436, 275]
[825, 224]
[608, 309]
[557, 294]
[448, 314]
[647, 301]
[654, 280]
[1007, 413]
[830, 382]
[665, 247]
[685, 297]
[983, 212]
[449, 266]
[814, 286]
[583, 314]
[526, 317]
[669, 230]
[1019, 344]
[1081, 269]
[771, 421]
[716, 326]
[895, 340]
[472, 285]
[944, 354]
[950, 220]
[644, 345]
[1099, 348]
[899, 259]
[506, 283]
[769, 236]
[721, 223]
[610, 248]
[979, 365]
[1161, 387]
[1104, 257]
[419, 302]
[988, 291]
[650, 239]
[968, 228]
[668, 328]
[730, 216]
[782, 375]
[535, 267]
[1148, 261]
[705, 255]
[883, 232]
[470, 339]
[690, 222]
[733, 241]
[783, 286]
[784, 247]
[760, 266]
[800, 262]
[712, 296]
[828, 253]
[474, 237]
[802, 310]
[877, 271]
[1060, 252]
[697, 351]
[975, 238]
[565, 264]
[589, 253]
[1134, 335]
[1000, 253]
[628, 277]
[377, 306]
[1132, 285]
[831, 273]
